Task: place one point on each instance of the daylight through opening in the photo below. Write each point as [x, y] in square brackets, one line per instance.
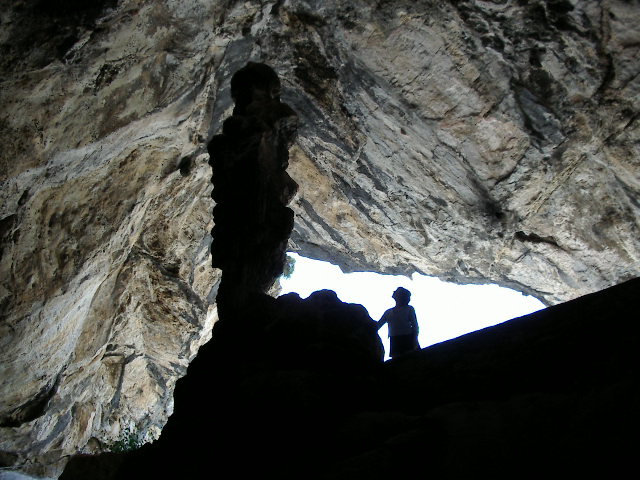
[444, 310]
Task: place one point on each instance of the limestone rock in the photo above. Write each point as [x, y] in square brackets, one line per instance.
[478, 141]
[484, 140]
[106, 287]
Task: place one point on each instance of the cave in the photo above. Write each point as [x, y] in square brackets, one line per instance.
[473, 141]
[293, 388]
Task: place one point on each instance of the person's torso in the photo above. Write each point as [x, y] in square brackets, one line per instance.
[400, 320]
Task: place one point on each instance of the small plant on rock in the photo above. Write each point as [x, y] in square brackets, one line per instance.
[289, 267]
[130, 439]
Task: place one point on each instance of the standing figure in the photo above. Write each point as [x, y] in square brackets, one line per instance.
[403, 325]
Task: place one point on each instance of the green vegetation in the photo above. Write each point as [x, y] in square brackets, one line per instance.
[289, 267]
[130, 439]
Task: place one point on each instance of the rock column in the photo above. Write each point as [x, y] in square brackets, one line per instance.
[251, 187]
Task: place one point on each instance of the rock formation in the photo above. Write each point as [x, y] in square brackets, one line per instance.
[549, 392]
[251, 187]
[474, 140]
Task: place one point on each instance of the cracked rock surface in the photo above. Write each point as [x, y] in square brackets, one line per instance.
[479, 141]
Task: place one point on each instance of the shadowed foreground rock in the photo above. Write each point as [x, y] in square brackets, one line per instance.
[265, 395]
[549, 393]
[251, 187]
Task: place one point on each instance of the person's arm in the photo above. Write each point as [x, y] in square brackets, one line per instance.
[414, 320]
[383, 320]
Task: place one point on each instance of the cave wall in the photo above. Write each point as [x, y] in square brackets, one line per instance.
[515, 123]
[107, 287]
[474, 140]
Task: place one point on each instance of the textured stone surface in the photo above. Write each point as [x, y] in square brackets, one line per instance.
[484, 141]
[105, 256]
[474, 140]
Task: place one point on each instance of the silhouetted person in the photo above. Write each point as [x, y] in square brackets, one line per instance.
[403, 324]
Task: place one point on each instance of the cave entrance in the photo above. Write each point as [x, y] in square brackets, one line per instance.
[444, 310]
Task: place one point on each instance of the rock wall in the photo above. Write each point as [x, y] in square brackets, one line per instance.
[484, 140]
[474, 140]
[107, 287]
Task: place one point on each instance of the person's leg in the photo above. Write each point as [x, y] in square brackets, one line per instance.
[393, 346]
[400, 344]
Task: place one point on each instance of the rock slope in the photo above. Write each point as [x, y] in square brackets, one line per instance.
[474, 140]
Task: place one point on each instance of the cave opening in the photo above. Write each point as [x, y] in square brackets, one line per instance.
[444, 310]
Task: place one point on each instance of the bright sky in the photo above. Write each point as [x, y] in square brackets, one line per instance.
[444, 310]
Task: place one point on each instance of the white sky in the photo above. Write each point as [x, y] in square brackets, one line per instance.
[444, 310]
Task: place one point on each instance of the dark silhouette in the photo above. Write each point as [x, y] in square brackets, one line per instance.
[403, 324]
[251, 188]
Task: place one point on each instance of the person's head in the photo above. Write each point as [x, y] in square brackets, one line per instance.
[402, 296]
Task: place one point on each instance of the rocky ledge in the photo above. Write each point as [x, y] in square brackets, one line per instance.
[306, 395]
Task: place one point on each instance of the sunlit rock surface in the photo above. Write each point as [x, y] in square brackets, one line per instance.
[490, 140]
[473, 140]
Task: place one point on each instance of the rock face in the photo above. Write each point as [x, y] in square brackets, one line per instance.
[514, 121]
[473, 140]
[107, 287]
